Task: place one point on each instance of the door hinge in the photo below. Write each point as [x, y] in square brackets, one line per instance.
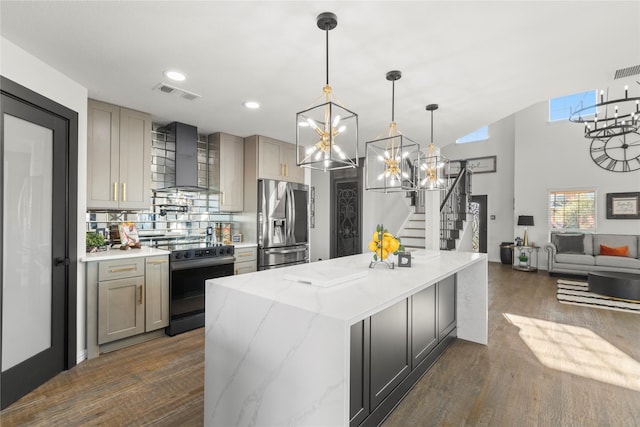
[61, 261]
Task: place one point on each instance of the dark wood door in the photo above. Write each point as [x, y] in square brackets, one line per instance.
[346, 212]
[479, 223]
[38, 234]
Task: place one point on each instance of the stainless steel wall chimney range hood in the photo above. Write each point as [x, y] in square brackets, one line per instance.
[186, 142]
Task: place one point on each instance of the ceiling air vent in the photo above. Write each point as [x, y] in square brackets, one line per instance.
[176, 91]
[189, 96]
[166, 89]
[626, 72]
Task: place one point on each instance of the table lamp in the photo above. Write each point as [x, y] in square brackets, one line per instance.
[525, 220]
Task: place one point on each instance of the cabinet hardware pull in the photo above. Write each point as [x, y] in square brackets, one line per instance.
[124, 191]
[236, 272]
[115, 191]
[281, 169]
[241, 254]
[119, 270]
[158, 262]
[286, 169]
[140, 295]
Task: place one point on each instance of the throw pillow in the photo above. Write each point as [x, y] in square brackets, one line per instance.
[573, 244]
[620, 251]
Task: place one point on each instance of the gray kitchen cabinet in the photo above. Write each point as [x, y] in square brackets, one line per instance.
[127, 301]
[274, 159]
[446, 306]
[359, 373]
[246, 259]
[390, 355]
[293, 172]
[156, 293]
[118, 157]
[424, 331]
[392, 349]
[120, 299]
[227, 172]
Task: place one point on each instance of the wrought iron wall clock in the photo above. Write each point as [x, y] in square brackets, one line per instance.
[618, 153]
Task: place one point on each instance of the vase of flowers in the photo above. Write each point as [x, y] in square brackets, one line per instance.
[384, 246]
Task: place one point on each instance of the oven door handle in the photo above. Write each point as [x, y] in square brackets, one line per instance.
[286, 251]
[205, 262]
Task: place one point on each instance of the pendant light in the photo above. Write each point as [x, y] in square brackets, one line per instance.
[433, 164]
[327, 133]
[391, 162]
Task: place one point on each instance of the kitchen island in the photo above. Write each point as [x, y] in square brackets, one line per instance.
[282, 351]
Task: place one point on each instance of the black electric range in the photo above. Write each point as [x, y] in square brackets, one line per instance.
[190, 265]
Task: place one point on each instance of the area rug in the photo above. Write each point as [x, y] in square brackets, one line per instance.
[570, 292]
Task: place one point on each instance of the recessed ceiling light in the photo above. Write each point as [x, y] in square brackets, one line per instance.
[175, 75]
[252, 105]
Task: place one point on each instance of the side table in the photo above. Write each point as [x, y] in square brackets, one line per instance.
[525, 258]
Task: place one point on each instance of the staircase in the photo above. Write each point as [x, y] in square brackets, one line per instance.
[412, 232]
[453, 215]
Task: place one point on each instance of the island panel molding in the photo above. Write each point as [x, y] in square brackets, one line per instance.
[277, 352]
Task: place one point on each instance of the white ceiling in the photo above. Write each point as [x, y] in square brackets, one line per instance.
[480, 60]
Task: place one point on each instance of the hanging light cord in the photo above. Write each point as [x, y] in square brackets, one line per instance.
[393, 101]
[432, 126]
[327, 52]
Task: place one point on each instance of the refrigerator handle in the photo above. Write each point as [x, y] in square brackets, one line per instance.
[264, 238]
[291, 215]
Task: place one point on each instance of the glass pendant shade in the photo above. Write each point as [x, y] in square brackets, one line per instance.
[433, 171]
[391, 163]
[327, 133]
[322, 134]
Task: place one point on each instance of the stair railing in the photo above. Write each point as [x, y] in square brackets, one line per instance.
[454, 207]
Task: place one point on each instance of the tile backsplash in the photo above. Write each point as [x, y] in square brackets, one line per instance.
[181, 215]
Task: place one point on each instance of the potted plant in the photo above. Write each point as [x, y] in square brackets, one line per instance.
[523, 258]
[94, 241]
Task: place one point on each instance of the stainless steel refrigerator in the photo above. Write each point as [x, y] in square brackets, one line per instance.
[283, 225]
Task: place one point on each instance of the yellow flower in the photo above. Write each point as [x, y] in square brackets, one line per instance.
[384, 243]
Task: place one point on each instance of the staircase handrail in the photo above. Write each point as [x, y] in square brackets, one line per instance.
[463, 171]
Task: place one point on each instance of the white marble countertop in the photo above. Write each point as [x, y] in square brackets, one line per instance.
[277, 351]
[357, 299]
[245, 245]
[119, 254]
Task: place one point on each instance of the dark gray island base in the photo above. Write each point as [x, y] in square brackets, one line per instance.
[391, 350]
[615, 284]
[280, 351]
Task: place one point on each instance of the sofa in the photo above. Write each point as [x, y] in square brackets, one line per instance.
[580, 253]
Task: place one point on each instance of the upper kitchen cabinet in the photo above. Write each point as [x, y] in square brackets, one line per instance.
[118, 157]
[275, 159]
[226, 174]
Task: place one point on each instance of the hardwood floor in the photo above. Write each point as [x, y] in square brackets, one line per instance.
[547, 364]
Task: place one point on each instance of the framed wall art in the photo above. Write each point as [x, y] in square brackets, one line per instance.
[623, 205]
[486, 164]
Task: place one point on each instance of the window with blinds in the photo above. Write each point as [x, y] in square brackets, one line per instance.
[572, 210]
